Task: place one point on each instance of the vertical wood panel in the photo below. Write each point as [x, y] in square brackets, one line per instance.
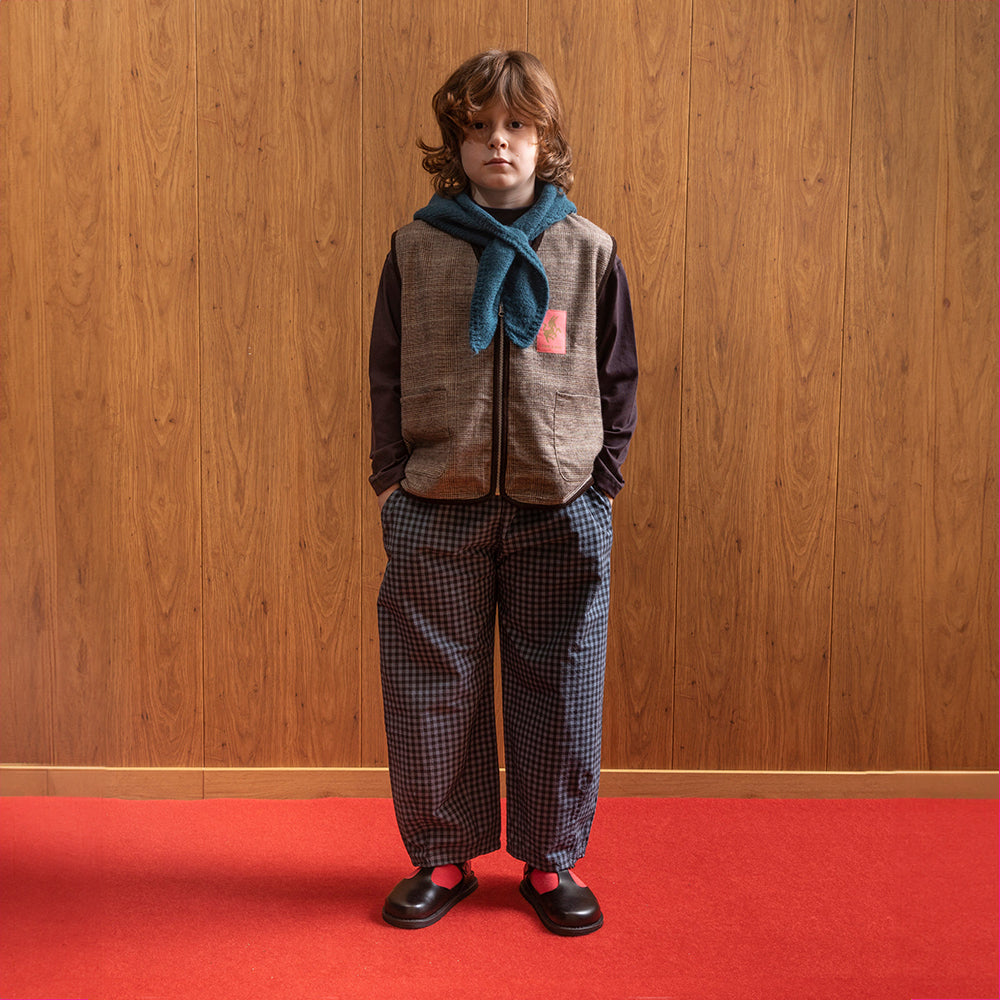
[409, 52]
[280, 241]
[770, 134]
[113, 299]
[79, 296]
[628, 129]
[960, 527]
[27, 557]
[914, 623]
[156, 516]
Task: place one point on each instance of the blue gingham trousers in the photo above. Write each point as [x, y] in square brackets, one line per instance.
[453, 570]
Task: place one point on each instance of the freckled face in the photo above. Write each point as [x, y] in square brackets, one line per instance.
[499, 156]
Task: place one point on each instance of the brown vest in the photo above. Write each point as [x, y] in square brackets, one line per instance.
[524, 423]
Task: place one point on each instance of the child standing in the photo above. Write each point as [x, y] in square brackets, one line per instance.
[503, 376]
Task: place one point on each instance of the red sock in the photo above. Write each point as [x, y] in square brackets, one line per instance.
[446, 876]
[543, 882]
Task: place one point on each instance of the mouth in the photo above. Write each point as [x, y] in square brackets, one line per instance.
[497, 162]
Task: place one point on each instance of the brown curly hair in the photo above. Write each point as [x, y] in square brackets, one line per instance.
[522, 84]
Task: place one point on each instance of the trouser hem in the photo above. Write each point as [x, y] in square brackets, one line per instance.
[432, 860]
[545, 863]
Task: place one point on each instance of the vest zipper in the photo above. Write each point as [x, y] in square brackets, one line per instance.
[499, 405]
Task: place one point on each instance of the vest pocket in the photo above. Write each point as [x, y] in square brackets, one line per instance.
[427, 435]
[578, 435]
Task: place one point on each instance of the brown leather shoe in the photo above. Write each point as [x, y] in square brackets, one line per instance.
[419, 901]
[568, 908]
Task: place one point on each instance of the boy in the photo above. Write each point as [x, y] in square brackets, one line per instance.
[503, 377]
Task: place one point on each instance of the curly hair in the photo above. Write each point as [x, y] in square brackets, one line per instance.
[521, 83]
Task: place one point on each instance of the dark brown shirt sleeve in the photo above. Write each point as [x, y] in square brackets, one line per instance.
[617, 375]
[388, 452]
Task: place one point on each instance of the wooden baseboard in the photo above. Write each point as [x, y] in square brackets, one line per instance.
[373, 782]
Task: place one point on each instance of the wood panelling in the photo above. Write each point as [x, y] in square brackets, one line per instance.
[88, 449]
[154, 367]
[27, 521]
[196, 202]
[280, 227]
[103, 387]
[915, 641]
[768, 174]
[960, 535]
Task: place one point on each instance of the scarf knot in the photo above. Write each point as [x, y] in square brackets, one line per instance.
[510, 273]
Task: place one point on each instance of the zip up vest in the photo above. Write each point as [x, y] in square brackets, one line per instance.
[522, 423]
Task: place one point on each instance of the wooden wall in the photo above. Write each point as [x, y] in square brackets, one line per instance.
[196, 202]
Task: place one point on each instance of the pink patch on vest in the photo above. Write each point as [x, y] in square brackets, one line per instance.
[447, 876]
[551, 337]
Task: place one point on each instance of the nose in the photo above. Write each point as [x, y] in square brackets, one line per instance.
[498, 140]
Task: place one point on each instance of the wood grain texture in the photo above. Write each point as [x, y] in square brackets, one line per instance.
[960, 525]
[409, 53]
[27, 555]
[195, 203]
[157, 514]
[915, 610]
[628, 127]
[113, 295]
[279, 200]
[80, 298]
[770, 134]
[79, 301]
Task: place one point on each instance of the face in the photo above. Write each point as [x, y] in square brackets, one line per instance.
[499, 155]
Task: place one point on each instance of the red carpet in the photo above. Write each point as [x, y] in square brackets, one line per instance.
[704, 899]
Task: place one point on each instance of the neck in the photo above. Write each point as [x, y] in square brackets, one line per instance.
[503, 199]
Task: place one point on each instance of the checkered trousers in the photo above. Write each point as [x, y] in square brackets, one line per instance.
[452, 571]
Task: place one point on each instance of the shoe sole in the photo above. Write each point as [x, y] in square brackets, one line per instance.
[551, 925]
[421, 922]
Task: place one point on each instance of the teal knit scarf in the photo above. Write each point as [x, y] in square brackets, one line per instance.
[510, 272]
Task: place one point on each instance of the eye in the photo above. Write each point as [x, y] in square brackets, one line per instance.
[477, 126]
